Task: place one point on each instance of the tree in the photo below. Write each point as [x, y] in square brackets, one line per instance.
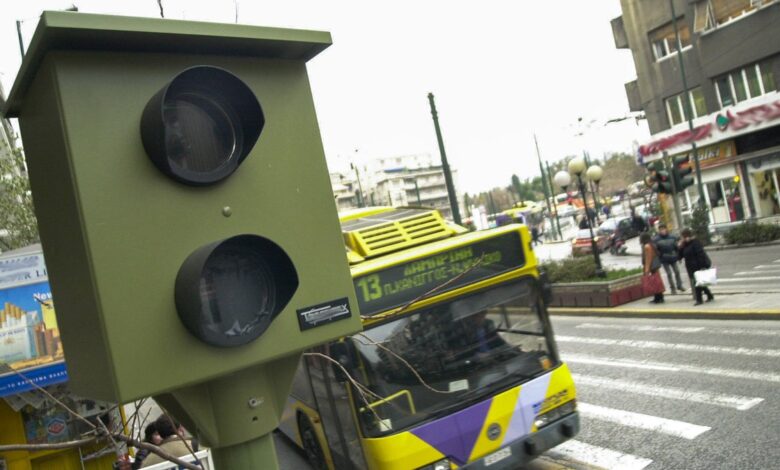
[18, 225]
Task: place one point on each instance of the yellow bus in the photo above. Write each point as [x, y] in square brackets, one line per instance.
[456, 367]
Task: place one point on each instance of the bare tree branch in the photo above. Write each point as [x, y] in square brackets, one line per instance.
[159, 3]
[55, 446]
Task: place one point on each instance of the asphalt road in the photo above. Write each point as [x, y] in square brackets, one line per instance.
[665, 394]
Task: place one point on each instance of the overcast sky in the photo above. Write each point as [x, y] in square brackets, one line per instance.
[501, 70]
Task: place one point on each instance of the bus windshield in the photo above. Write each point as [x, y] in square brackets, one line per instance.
[465, 349]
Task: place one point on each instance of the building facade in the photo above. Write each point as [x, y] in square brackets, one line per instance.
[405, 180]
[731, 62]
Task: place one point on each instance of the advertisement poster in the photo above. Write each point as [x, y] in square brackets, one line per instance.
[30, 345]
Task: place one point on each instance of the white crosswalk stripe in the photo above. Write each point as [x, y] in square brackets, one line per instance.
[671, 346]
[667, 367]
[752, 273]
[642, 421]
[680, 329]
[718, 399]
[599, 456]
[737, 279]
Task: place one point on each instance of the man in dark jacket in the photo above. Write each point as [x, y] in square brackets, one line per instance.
[666, 243]
[692, 251]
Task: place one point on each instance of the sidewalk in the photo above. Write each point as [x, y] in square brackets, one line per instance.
[742, 305]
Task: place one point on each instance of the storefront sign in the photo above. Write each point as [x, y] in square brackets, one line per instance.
[30, 346]
[715, 155]
[760, 113]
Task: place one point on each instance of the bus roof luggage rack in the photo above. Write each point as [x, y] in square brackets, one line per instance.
[394, 230]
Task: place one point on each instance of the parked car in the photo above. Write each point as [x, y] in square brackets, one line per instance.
[581, 243]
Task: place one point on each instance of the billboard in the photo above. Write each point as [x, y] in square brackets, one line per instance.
[30, 345]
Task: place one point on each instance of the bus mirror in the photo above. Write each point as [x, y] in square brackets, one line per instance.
[340, 353]
[546, 287]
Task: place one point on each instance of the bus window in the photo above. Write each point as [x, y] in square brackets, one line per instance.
[301, 387]
[335, 413]
[467, 349]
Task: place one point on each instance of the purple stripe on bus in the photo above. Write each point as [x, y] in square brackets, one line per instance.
[455, 435]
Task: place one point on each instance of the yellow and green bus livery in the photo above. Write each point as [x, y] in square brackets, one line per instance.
[456, 367]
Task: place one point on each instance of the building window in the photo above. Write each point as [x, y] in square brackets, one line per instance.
[744, 84]
[675, 106]
[664, 41]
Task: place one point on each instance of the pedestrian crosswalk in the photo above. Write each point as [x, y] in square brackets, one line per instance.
[667, 384]
[756, 278]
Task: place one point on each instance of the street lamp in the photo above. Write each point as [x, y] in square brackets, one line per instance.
[594, 173]
[577, 168]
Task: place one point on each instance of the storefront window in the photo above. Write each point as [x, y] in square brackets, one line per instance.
[766, 190]
[715, 193]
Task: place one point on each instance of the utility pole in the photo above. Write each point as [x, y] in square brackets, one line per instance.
[669, 167]
[445, 166]
[555, 201]
[417, 191]
[544, 186]
[687, 102]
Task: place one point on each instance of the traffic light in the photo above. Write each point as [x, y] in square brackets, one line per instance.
[185, 212]
[658, 178]
[681, 169]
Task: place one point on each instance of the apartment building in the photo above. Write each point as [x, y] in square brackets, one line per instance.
[731, 59]
[403, 180]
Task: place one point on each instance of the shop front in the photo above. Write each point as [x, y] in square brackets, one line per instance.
[32, 360]
[739, 156]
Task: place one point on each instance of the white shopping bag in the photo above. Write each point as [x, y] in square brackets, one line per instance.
[706, 277]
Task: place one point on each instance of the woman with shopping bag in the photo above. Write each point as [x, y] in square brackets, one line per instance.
[651, 264]
[696, 259]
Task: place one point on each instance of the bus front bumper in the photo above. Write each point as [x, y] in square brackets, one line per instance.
[527, 448]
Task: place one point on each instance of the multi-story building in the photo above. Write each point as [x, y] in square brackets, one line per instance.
[409, 180]
[346, 191]
[731, 61]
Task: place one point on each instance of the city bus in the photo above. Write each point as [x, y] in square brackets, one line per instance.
[456, 366]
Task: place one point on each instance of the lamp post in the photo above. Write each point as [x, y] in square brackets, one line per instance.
[594, 174]
[577, 168]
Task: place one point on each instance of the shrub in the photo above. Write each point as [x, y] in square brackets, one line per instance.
[700, 223]
[752, 232]
[580, 269]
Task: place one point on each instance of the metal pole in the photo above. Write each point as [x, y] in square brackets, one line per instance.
[596, 256]
[555, 201]
[444, 164]
[19, 34]
[675, 196]
[544, 181]
[361, 201]
[417, 190]
[687, 102]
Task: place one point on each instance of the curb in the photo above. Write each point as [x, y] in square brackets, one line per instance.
[744, 245]
[734, 314]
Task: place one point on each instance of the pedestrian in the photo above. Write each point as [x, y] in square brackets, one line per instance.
[535, 240]
[650, 266]
[151, 436]
[692, 251]
[666, 244]
[173, 441]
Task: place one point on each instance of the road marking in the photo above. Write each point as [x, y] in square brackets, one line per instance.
[736, 279]
[680, 329]
[765, 266]
[667, 367]
[718, 399]
[750, 273]
[599, 456]
[642, 421]
[660, 345]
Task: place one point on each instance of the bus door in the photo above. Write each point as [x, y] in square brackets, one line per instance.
[336, 413]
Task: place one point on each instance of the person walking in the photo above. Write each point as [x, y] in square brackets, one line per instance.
[692, 251]
[666, 244]
[650, 266]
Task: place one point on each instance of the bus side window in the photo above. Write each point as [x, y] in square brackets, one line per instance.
[301, 386]
[335, 411]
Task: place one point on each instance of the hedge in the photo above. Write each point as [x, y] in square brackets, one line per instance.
[581, 269]
[752, 232]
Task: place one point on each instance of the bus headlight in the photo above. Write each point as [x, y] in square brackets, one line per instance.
[554, 414]
[443, 464]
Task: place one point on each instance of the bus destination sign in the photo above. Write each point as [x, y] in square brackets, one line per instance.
[398, 285]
